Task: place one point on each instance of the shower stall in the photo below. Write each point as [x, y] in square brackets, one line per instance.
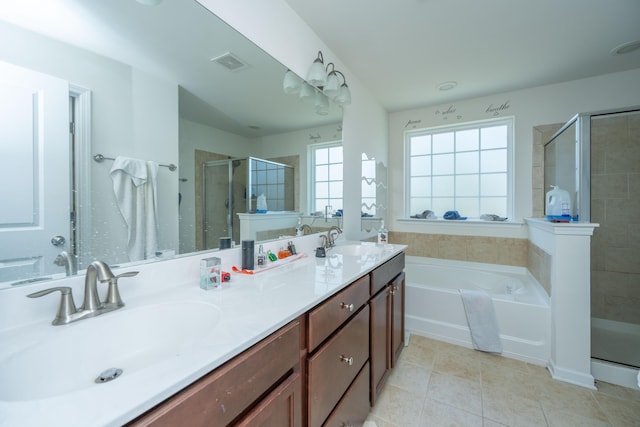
[596, 157]
[232, 186]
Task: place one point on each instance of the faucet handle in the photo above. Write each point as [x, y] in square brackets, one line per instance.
[66, 308]
[113, 294]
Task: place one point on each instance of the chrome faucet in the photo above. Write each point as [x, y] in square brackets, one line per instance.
[304, 228]
[332, 235]
[69, 261]
[91, 305]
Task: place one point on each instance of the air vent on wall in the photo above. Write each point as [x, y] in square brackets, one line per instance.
[230, 62]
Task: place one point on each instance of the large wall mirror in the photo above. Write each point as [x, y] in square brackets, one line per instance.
[171, 84]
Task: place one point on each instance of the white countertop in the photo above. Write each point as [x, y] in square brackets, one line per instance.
[251, 308]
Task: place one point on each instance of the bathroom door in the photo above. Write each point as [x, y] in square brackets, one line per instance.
[34, 172]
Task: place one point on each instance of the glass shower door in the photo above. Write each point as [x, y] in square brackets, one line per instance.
[217, 201]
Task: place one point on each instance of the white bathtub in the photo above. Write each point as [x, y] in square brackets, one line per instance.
[434, 307]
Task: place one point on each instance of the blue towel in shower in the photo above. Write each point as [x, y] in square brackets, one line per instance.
[483, 325]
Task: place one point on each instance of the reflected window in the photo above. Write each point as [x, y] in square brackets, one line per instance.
[326, 177]
[369, 196]
[465, 167]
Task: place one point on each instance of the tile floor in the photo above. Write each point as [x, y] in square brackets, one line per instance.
[440, 384]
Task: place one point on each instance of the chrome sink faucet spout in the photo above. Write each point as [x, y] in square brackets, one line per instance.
[91, 306]
[68, 261]
[332, 235]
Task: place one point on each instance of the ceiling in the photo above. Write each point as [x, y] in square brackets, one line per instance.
[177, 41]
[402, 50]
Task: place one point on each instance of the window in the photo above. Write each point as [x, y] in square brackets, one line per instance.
[465, 168]
[326, 176]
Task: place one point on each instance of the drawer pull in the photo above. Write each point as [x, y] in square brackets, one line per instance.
[347, 360]
[346, 306]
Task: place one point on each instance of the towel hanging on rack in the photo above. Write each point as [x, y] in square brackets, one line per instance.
[134, 186]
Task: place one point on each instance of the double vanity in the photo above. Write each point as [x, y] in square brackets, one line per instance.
[308, 343]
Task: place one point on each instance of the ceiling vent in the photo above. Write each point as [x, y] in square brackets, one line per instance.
[230, 61]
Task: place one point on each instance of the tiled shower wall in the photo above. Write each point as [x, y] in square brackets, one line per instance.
[615, 205]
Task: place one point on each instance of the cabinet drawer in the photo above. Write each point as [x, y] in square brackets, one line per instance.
[329, 315]
[353, 409]
[221, 396]
[386, 272]
[281, 408]
[335, 365]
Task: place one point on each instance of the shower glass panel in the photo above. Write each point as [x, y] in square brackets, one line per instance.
[225, 195]
[275, 181]
[561, 163]
[596, 157]
[218, 201]
[615, 254]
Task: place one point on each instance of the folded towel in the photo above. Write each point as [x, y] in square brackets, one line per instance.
[478, 306]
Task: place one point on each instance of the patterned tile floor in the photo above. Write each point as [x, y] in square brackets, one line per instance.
[440, 384]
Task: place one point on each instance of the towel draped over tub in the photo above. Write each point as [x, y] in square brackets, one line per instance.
[481, 316]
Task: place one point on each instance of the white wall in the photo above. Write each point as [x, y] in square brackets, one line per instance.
[531, 107]
[270, 24]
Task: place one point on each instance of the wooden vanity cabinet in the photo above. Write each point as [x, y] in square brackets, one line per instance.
[387, 321]
[260, 387]
[338, 340]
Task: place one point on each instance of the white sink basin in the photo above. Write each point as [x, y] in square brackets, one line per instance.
[358, 249]
[69, 358]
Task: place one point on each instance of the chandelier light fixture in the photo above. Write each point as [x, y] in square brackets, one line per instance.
[322, 83]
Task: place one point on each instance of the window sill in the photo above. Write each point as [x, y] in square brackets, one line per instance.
[471, 227]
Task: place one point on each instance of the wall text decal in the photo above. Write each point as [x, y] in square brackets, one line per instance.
[497, 110]
[412, 123]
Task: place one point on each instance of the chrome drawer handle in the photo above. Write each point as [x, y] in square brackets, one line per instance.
[346, 306]
[347, 360]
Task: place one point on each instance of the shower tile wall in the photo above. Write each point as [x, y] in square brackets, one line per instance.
[615, 205]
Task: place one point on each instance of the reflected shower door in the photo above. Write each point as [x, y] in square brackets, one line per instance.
[217, 201]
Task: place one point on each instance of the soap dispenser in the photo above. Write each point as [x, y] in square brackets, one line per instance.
[382, 234]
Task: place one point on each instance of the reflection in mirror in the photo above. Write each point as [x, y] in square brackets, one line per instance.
[137, 91]
[374, 193]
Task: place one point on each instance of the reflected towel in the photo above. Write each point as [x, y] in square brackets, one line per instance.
[134, 186]
[478, 306]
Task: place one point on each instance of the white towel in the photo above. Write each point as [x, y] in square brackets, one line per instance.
[134, 186]
[478, 306]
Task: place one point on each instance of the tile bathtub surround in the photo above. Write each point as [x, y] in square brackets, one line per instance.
[440, 384]
[539, 265]
[489, 250]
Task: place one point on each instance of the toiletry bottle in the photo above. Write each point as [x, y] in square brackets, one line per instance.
[382, 234]
[299, 230]
[247, 254]
[272, 257]
[262, 258]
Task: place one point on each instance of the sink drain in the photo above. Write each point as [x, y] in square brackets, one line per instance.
[108, 375]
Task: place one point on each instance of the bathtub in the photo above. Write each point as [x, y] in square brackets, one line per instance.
[434, 307]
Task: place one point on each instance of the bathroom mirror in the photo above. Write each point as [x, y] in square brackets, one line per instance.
[150, 82]
[374, 193]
